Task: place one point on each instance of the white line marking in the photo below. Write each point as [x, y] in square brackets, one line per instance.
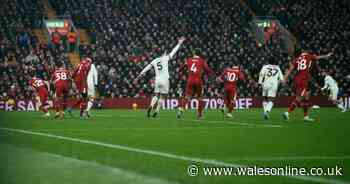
[166, 155]
[281, 158]
[113, 174]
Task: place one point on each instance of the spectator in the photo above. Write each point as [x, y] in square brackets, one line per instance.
[72, 39]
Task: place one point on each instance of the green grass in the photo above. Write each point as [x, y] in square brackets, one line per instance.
[244, 140]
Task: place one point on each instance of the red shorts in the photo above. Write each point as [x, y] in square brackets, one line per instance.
[43, 96]
[81, 86]
[230, 93]
[194, 88]
[301, 87]
[61, 90]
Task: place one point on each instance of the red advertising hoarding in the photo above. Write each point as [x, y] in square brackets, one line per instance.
[210, 103]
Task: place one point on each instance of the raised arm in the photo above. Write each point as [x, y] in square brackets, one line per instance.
[280, 74]
[148, 67]
[176, 48]
[324, 56]
[208, 70]
[241, 76]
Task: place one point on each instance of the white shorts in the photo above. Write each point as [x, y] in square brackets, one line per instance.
[269, 90]
[91, 90]
[161, 87]
[333, 95]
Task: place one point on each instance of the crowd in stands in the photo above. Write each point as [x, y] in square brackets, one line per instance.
[127, 34]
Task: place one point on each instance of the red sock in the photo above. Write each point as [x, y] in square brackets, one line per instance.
[82, 107]
[229, 105]
[184, 103]
[43, 108]
[293, 105]
[200, 107]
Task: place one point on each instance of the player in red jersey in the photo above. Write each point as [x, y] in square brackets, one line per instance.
[302, 64]
[41, 87]
[60, 78]
[230, 76]
[196, 66]
[80, 79]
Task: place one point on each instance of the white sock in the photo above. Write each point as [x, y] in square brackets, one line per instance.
[269, 106]
[264, 105]
[154, 101]
[89, 105]
[160, 102]
[340, 106]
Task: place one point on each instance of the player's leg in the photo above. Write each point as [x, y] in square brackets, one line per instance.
[153, 104]
[299, 90]
[229, 98]
[91, 98]
[271, 94]
[264, 102]
[83, 103]
[199, 92]
[162, 97]
[184, 101]
[154, 100]
[164, 90]
[44, 105]
[188, 94]
[77, 102]
[334, 98]
[58, 101]
[305, 104]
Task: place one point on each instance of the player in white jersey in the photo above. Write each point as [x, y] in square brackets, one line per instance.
[92, 81]
[269, 77]
[161, 88]
[331, 85]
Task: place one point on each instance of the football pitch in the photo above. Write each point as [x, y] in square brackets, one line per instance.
[123, 146]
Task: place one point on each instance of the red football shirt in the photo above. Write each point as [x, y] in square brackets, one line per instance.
[196, 66]
[303, 65]
[230, 76]
[37, 83]
[60, 77]
[82, 70]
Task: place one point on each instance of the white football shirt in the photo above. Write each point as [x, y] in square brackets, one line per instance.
[270, 74]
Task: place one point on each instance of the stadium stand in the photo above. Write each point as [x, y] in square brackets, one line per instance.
[125, 35]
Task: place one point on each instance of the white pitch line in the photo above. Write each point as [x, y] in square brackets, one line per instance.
[166, 155]
[281, 158]
[115, 173]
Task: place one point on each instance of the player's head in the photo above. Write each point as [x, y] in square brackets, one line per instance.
[196, 52]
[85, 58]
[59, 64]
[273, 61]
[324, 73]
